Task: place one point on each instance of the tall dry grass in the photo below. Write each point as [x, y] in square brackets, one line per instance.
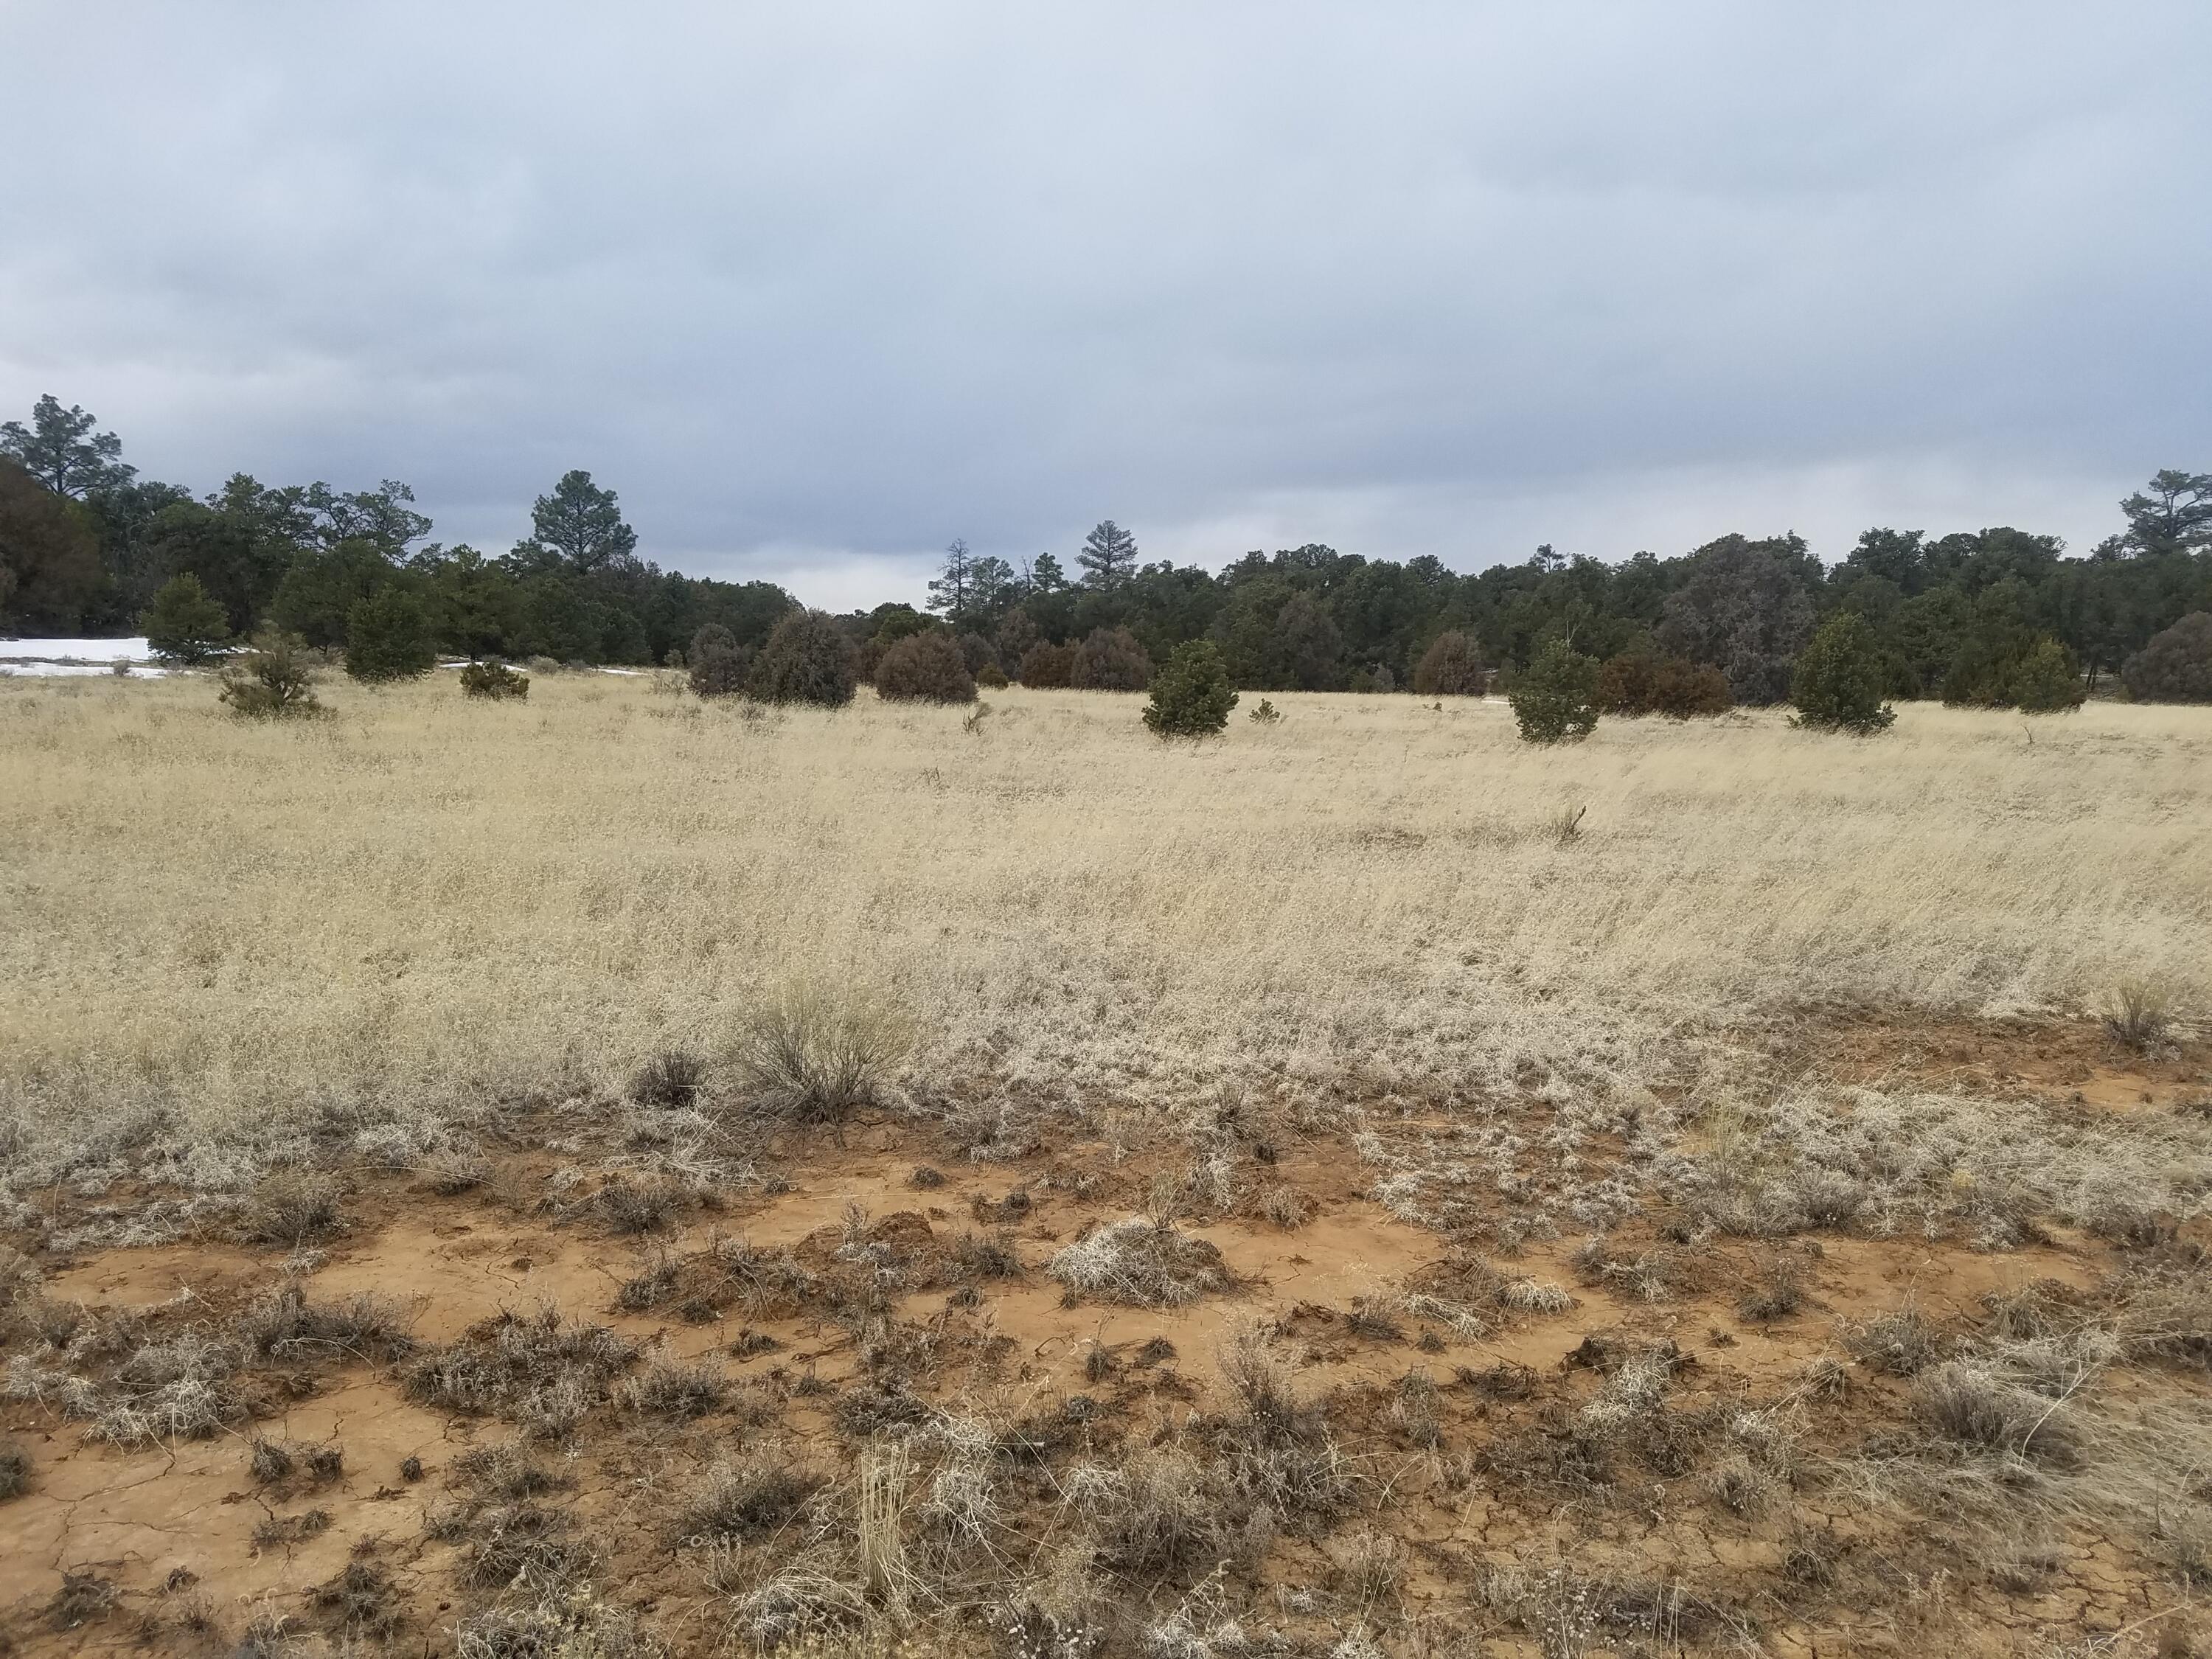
[426, 899]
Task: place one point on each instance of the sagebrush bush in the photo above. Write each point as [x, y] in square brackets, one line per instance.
[1552, 701]
[388, 637]
[1110, 659]
[718, 663]
[806, 659]
[991, 676]
[1647, 681]
[2175, 666]
[270, 681]
[1841, 683]
[1450, 667]
[493, 679]
[1191, 696]
[925, 668]
[1046, 665]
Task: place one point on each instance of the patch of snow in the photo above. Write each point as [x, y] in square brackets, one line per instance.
[58, 669]
[74, 651]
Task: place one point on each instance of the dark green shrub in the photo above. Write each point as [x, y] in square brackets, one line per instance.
[1046, 665]
[1111, 660]
[2035, 675]
[806, 659]
[270, 681]
[2046, 681]
[1841, 681]
[183, 625]
[1553, 700]
[1191, 696]
[2176, 666]
[991, 677]
[1266, 714]
[493, 679]
[718, 662]
[388, 637]
[1450, 667]
[925, 668]
[1645, 681]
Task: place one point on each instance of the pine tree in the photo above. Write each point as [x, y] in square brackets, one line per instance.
[1191, 696]
[388, 637]
[1839, 682]
[1108, 556]
[1553, 701]
[183, 624]
[952, 589]
[581, 525]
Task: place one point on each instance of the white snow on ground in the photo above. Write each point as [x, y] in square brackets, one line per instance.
[61, 657]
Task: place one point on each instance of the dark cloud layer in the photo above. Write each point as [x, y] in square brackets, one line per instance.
[818, 288]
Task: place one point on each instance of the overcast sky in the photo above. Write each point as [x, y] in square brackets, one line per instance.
[819, 287]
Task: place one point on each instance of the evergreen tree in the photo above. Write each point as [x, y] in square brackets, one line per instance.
[62, 452]
[1553, 698]
[1191, 696]
[1108, 557]
[182, 624]
[49, 557]
[1450, 667]
[580, 526]
[270, 681]
[1838, 685]
[952, 590]
[806, 659]
[388, 637]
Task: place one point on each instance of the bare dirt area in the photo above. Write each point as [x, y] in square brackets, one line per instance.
[625, 1377]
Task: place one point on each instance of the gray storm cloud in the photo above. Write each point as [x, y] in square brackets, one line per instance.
[818, 288]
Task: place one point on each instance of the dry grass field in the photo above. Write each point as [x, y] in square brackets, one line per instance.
[614, 1175]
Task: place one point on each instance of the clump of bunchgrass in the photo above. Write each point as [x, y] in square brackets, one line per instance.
[1144, 1262]
[816, 1056]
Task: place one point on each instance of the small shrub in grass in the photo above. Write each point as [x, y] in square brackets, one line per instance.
[1110, 659]
[806, 659]
[1900, 1342]
[1840, 682]
[1264, 714]
[184, 624]
[1553, 701]
[1047, 667]
[1143, 1262]
[388, 637]
[270, 681]
[718, 663]
[925, 667]
[1450, 667]
[1191, 696]
[2176, 666]
[2138, 1012]
[494, 680]
[991, 676]
[672, 1077]
[816, 1056]
[744, 1500]
[290, 1208]
[1648, 681]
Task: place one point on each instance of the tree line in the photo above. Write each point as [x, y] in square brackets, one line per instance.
[86, 546]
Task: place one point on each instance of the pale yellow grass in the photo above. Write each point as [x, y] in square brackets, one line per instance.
[426, 900]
